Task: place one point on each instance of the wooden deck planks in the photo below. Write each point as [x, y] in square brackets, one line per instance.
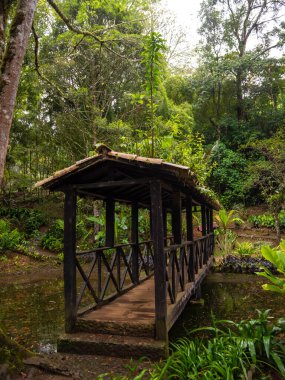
[137, 305]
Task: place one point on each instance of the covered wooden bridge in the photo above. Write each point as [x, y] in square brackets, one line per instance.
[123, 299]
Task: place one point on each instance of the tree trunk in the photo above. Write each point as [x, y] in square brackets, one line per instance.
[11, 69]
[240, 111]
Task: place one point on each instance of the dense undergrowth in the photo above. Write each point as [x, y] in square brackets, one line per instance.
[250, 349]
[235, 350]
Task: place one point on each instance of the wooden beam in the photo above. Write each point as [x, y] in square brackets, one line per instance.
[70, 259]
[204, 226]
[109, 184]
[110, 223]
[159, 262]
[135, 240]
[90, 194]
[176, 217]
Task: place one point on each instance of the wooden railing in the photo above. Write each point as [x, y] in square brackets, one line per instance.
[108, 272]
[184, 261]
[113, 270]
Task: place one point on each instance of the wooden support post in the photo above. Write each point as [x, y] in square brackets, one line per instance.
[110, 223]
[211, 231]
[135, 241]
[118, 265]
[204, 226]
[150, 225]
[206, 219]
[176, 217]
[159, 262]
[189, 218]
[211, 220]
[165, 224]
[190, 237]
[203, 251]
[70, 259]
[99, 273]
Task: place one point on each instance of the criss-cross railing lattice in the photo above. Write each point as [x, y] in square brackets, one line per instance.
[107, 272]
[184, 261]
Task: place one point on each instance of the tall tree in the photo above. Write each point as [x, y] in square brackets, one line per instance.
[250, 29]
[12, 51]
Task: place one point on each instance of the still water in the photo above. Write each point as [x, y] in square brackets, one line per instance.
[31, 309]
[228, 296]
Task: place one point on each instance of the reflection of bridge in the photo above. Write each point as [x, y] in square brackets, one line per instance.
[123, 299]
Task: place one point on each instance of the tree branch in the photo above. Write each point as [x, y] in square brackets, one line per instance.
[255, 22]
[77, 30]
[37, 68]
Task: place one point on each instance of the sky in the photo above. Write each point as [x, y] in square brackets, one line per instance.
[186, 14]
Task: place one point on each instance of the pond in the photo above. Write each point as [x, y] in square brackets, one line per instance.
[228, 296]
[32, 306]
[32, 310]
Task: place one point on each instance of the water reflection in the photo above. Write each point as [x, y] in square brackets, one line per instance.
[32, 309]
[228, 296]
[32, 313]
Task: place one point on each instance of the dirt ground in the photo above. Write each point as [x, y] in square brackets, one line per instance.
[77, 367]
[82, 367]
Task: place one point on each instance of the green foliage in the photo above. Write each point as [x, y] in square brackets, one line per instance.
[268, 173]
[226, 238]
[226, 219]
[28, 220]
[245, 248]
[226, 241]
[228, 175]
[53, 239]
[230, 354]
[60, 256]
[267, 220]
[277, 257]
[152, 58]
[9, 239]
[187, 150]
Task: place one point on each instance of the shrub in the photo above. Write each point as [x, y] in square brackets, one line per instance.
[9, 239]
[245, 248]
[266, 220]
[28, 220]
[225, 237]
[53, 239]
